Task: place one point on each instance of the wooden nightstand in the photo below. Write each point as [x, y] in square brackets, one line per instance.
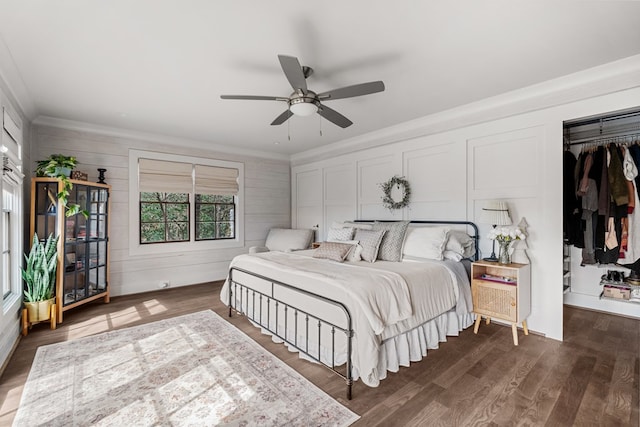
[501, 291]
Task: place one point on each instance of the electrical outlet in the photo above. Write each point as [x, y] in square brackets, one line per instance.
[163, 285]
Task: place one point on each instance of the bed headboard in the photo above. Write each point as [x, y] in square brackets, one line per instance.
[475, 236]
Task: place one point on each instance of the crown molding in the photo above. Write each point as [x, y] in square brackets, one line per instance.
[151, 137]
[600, 80]
[13, 82]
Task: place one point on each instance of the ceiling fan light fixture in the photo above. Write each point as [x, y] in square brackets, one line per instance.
[303, 108]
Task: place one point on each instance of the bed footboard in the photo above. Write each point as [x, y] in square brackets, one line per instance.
[257, 305]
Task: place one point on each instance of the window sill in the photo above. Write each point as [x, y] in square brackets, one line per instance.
[167, 248]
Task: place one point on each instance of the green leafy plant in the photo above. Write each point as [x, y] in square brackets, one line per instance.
[55, 162]
[40, 272]
[60, 166]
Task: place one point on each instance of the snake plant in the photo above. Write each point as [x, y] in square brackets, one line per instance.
[40, 272]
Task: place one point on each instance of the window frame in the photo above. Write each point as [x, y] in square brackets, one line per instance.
[136, 248]
[165, 203]
[14, 228]
[216, 222]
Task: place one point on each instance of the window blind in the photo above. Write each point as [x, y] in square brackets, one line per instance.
[216, 180]
[165, 177]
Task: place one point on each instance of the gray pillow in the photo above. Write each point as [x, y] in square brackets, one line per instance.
[391, 245]
[370, 242]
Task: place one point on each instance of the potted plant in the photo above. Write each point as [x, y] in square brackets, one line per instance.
[56, 165]
[60, 166]
[39, 276]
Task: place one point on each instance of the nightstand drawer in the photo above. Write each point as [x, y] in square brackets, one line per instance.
[495, 300]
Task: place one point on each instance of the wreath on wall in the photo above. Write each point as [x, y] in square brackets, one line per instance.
[401, 183]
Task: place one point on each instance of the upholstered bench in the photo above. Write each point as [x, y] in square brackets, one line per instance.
[285, 240]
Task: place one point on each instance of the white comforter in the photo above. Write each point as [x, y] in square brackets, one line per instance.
[385, 298]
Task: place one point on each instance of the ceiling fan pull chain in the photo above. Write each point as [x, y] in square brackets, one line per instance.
[320, 118]
[289, 129]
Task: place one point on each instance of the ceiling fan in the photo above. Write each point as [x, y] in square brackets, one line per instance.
[304, 102]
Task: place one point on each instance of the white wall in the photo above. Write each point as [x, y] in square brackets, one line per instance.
[267, 204]
[454, 172]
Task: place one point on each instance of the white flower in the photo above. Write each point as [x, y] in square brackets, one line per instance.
[506, 234]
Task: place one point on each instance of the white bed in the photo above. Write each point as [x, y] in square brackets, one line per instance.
[398, 310]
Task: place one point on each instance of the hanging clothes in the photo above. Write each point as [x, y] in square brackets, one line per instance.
[570, 208]
[599, 214]
[632, 253]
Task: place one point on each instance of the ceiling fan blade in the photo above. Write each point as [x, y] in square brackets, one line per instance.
[333, 116]
[255, 97]
[293, 71]
[282, 118]
[351, 91]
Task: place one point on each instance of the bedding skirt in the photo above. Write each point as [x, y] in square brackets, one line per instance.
[401, 350]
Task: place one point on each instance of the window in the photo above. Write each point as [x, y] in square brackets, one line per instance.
[10, 229]
[6, 253]
[215, 217]
[183, 203]
[164, 217]
[11, 220]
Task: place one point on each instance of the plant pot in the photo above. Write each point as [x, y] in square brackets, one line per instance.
[39, 310]
[62, 171]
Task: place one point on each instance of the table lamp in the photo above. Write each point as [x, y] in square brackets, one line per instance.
[495, 213]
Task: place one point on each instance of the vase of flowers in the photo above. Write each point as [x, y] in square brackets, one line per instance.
[505, 236]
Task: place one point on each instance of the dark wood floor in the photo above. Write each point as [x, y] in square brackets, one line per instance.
[590, 379]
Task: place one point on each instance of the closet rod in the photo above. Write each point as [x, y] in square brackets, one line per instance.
[593, 120]
[604, 139]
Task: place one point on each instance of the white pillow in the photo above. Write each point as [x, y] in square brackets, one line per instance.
[340, 234]
[426, 242]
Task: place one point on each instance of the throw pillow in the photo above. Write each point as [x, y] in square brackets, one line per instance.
[356, 253]
[337, 234]
[370, 242]
[391, 246]
[333, 251]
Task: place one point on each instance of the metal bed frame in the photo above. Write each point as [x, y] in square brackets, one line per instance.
[247, 294]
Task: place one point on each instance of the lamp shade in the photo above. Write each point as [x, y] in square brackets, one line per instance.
[496, 213]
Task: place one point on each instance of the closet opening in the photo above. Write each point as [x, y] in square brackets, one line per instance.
[601, 212]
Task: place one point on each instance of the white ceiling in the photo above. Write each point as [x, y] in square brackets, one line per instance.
[161, 66]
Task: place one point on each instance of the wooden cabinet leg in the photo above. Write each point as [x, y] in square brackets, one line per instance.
[514, 329]
[25, 322]
[524, 326]
[53, 316]
[477, 325]
[488, 320]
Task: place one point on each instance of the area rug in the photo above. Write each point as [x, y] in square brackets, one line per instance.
[192, 370]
